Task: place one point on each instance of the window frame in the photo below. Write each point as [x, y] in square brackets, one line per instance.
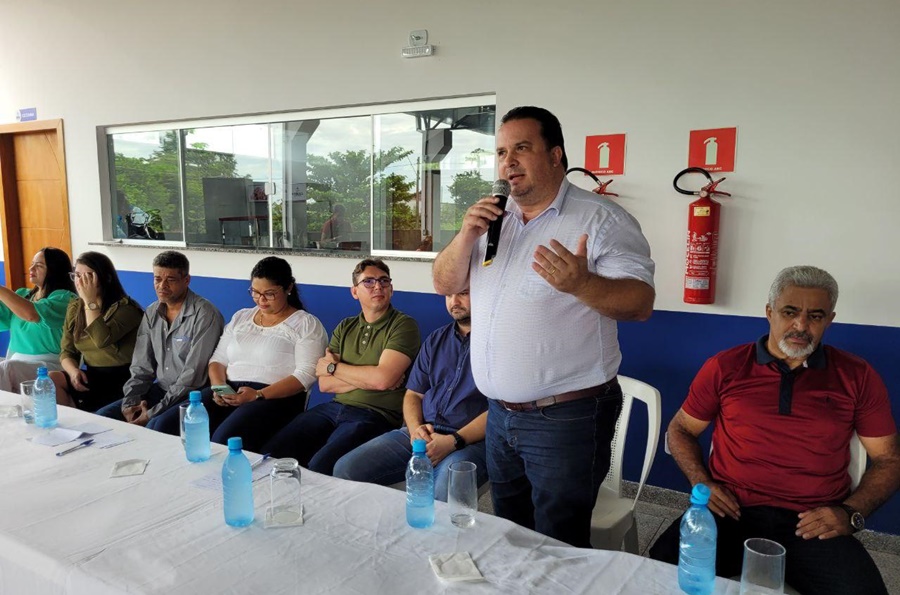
[371, 110]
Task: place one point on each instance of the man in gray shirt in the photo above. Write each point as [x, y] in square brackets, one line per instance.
[175, 341]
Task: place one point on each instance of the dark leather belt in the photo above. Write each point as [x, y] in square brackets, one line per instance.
[574, 395]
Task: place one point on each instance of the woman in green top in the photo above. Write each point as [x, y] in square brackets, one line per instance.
[34, 318]
[101, 328]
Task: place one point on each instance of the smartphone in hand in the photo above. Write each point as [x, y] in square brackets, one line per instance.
[223, 389]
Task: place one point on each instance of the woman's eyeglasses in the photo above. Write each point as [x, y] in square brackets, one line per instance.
[73, 276]
[263, 295]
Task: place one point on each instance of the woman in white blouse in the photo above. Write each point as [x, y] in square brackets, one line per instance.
[267, 355]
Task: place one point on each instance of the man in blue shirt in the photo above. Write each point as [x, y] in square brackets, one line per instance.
[441, 406]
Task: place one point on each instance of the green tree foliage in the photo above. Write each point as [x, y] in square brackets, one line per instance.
[344, 177]
[400, 194]
[201, 163]
[153, 183]
[468, 187]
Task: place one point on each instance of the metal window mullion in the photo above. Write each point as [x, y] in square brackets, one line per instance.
[274, 188]
[372, 186]
[183, 186]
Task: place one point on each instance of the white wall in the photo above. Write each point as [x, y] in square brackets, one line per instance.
[812, 86]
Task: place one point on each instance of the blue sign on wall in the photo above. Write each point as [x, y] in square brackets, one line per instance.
[26, 114]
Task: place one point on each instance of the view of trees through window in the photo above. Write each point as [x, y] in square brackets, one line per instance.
[397, 181]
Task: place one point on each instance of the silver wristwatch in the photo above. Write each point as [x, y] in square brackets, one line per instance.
[857, 520]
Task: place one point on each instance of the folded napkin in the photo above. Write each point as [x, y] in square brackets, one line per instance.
[10, 411]
[455, 567]
[129, 467]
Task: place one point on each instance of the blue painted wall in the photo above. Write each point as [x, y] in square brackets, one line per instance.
[666, 352]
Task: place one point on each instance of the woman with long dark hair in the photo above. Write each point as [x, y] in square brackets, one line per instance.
[265, 361]
[101, 328]
[34, 318]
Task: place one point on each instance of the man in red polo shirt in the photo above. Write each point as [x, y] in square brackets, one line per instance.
[785, 409]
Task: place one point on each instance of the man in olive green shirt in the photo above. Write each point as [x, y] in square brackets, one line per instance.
[365, 365]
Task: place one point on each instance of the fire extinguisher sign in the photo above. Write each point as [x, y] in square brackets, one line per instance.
[604, 154]
[712, 149]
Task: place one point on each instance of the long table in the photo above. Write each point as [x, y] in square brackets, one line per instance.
[67, 527]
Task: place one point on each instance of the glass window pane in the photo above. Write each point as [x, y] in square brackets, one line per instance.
[391, 181]
[146, 185]
[226, 171]
[430, 166]
[336, 209]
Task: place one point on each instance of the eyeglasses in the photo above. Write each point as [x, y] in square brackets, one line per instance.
[370, 282]
[73, 276]
[266, 295]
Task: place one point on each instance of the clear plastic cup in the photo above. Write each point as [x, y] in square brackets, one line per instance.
[182, 411]
[462, 493]
[26, 389]
[763, 572]
[285, 505]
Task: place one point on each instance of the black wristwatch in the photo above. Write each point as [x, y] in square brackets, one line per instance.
[857, 520]
[331, 368]
[459, 442]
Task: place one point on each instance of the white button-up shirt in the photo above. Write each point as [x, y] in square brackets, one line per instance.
[529, 340]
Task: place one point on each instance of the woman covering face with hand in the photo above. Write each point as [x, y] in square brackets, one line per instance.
[34, 318]
[100, 328]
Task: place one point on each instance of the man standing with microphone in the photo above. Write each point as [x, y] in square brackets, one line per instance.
[567, 266]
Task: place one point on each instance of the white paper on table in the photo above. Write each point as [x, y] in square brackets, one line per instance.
[213, 481]
[90, 428]
[110, 439]
[56, 436]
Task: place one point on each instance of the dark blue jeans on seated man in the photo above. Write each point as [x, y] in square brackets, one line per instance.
[383, 460]
[325, 433]
[153, 396]
[546, 465]
[836, 566]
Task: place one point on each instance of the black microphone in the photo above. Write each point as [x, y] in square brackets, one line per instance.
[500, 189]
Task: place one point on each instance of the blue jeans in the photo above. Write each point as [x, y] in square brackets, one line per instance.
[546, 465]
[153, 396]
[837, 566]
[325, 433]
[383, 461]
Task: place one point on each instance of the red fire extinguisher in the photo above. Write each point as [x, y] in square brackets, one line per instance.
[702, 239]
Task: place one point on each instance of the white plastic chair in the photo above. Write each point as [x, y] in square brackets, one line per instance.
[613, 523]
[857, 461]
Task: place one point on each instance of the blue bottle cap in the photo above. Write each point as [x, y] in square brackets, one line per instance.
[235, 443]
[194, 396]
[700, 494]
[42, 371]
[418, 445]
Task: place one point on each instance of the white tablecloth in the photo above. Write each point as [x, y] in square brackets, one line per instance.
[67, 527]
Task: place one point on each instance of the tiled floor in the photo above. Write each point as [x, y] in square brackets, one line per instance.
[652, 519]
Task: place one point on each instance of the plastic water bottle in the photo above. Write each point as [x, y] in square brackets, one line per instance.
[697, 554]
[237, 485]
[44, 400]
[419, 488]
[196, 430]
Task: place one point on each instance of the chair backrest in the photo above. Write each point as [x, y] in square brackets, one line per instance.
[634, 389]
[857, 461]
